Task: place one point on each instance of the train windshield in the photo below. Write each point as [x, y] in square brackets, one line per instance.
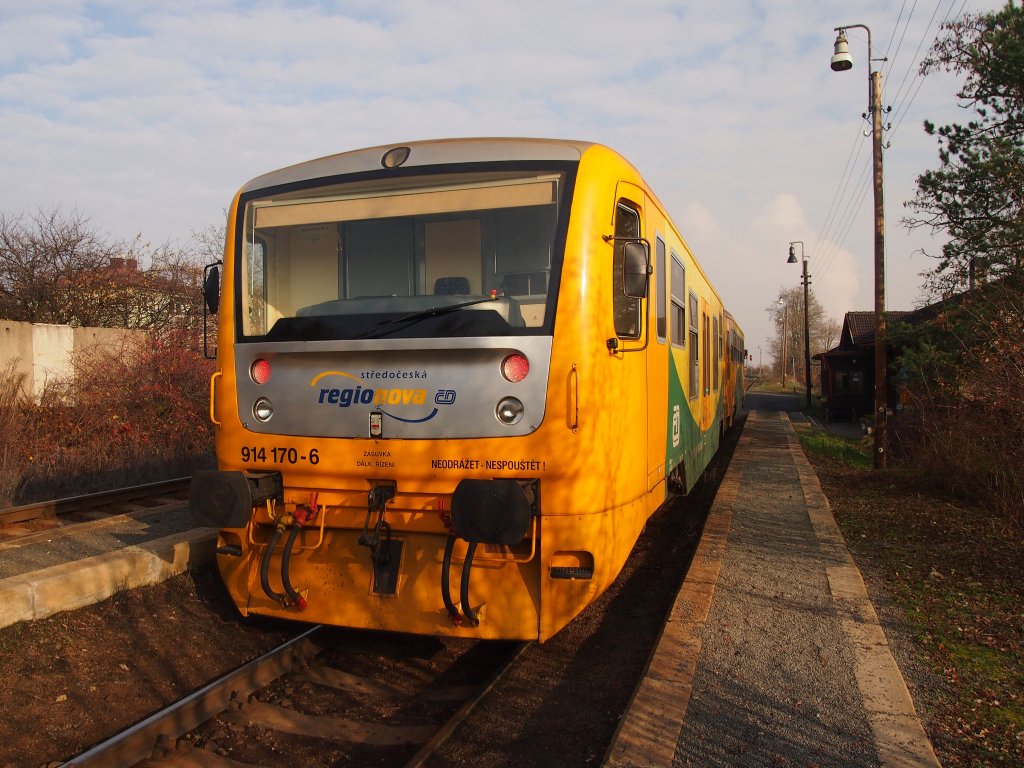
[470, 254]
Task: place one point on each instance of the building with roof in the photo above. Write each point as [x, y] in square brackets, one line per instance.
[848, 370]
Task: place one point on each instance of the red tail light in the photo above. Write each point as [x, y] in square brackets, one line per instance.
[260, 371]
[515, 367]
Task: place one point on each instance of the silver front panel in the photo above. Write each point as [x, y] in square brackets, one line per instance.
[422, 388]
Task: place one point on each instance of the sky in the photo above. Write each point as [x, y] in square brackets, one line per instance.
[147, 117]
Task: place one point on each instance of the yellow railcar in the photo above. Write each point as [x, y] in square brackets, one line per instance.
[735, 357]
[454, 379]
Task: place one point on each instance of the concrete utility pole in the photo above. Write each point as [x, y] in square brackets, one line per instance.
[842, 61]
[783, 360]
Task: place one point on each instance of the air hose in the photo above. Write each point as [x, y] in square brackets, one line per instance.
[265, 567]
[467, 566]
[446, 566]
[297, 599]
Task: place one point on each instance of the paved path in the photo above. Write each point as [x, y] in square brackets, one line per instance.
[773, 655]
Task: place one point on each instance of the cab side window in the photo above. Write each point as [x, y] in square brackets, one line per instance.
[662, 309]
[626, 309]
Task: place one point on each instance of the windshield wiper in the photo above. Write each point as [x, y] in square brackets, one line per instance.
[404, 321]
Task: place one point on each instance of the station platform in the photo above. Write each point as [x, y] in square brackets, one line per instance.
[773, 654]
[61, 569]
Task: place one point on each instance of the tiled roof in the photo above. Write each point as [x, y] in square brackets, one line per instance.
[859, 327]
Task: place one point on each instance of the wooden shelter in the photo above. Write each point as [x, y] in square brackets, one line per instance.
[848, 370]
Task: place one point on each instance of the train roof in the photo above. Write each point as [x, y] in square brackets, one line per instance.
[423, 153]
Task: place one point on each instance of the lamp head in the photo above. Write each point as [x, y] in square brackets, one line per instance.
[792, 255]
[841, 58]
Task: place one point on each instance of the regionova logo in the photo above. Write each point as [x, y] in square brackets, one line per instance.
[397, 396]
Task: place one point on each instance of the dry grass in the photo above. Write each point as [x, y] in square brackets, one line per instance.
[954, 574]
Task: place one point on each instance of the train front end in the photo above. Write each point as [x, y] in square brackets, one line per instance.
[384, 403]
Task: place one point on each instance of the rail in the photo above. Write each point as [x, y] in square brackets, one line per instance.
[446, 730]
[58, 507]
[135, 744]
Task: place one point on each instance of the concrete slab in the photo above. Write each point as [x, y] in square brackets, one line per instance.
[71, 585]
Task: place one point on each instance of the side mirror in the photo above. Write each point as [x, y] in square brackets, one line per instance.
[211, 288]
[636, 269]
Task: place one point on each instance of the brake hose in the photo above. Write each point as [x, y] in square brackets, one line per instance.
[297, 599]
[265, 567]
[464, 592]
[446, 566]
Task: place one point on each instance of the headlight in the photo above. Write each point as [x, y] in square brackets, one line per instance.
[263, 409]
[509, 411]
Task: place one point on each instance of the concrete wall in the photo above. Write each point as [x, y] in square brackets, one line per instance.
[16, 348]
[43, 352]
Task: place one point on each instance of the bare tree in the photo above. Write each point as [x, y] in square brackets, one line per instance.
[165, 293]
[829, 334]
[56, 268]
[42, 258]
[209, 241]
[788, 310]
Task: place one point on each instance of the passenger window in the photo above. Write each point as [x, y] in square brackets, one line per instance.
[678, 302]
[721, 338]
[659, 248]
[626, 309]
[705, 332]
[718, 352]
[694, 361]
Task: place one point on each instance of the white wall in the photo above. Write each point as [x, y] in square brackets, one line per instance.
[43, 352]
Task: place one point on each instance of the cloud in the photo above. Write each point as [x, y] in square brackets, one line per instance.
[148, 117]
[699, 222]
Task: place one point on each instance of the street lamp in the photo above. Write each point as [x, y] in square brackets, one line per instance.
[807, 322]
[842, 61]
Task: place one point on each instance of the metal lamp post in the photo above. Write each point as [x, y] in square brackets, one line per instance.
[842, 61]
[807, 321]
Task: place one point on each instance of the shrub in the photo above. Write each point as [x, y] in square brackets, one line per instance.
[14, 426]
[964, 426]
[131, 414]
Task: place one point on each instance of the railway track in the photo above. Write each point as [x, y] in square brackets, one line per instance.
[48, 515]
[559, 704]
[306, 703]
